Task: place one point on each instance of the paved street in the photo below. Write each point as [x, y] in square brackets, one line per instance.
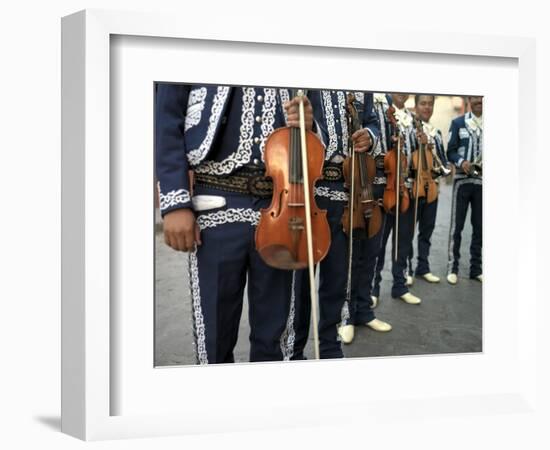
[448, 320]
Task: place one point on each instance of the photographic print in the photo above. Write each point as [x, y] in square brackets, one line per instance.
[300, 224]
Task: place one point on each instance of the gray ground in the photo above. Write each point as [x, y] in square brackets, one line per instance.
[448, 320]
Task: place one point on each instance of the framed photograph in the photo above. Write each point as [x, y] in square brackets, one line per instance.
[124, 375]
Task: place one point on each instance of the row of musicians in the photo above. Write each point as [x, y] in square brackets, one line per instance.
[218, 133]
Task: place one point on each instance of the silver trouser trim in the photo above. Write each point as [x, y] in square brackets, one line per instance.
[199, 333]
[288, 338]
[458, 183]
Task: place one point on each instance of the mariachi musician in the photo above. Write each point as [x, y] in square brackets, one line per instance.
[464, 150]
[329, 108]
[426, 206]
[367, 247]
[219, 133]
[399, 224]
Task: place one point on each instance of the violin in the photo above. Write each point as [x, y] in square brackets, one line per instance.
[396, 195]
[359, 171]
[282, 235]
[423, 165]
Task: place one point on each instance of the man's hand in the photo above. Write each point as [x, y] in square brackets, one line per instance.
[400, 139]
[293, 114]
[181, 230]
[361, 140]
[422, 138]
[466, 166]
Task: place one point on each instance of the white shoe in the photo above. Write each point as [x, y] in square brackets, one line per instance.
[374, 301]
[379, 325]
[346, 333]
[430, 278]
[480, 278]
[452, 278]
[408, 280]
[410, 299]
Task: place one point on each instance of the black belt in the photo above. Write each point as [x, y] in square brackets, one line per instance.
[244, 181]
[252, 181]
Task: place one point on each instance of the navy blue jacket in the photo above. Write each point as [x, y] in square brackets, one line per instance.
[465, 141]
[210, 129]
[329, 110]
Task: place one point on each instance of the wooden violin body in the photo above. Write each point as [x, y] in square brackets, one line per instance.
[365, 207]
[424, 184]
[280, 235]
[395, 167]
[359, 172]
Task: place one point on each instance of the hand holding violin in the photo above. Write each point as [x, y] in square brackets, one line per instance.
[361, 140]
[422, 138]
[292, 110]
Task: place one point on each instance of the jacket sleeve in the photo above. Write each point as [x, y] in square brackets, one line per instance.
[314, 97]
[370, 120]
[453, 144]
[172, 167]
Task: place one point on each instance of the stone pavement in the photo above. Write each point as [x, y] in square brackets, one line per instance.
[449, 320]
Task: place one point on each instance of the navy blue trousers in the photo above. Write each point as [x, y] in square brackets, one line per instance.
[365, 256]
[220, 269]
[425, 217]
[467, 192]
[332, 289]
[399, 264]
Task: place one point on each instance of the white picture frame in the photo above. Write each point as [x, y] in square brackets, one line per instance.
[89, 331]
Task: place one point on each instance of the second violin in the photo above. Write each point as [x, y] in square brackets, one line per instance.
[359, 172]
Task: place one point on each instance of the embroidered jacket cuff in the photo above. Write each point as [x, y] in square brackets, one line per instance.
[374, 140]
[175, 199]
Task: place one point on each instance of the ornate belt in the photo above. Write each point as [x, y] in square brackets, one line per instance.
[333, 172]
[379, 160]
[244, 181]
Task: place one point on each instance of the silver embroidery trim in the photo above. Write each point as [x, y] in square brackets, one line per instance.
[228, 216]
[456, 186]
[344, 316]
[288, 339]
[195, 106]
[382, 143]
[199, 329]
[285, 97]
[331, 127]
[343, 122]
[360, 96]
[268, 116]
[324, 191]
[197, 155]
[379, 180]
[244, 151]
[173, 198]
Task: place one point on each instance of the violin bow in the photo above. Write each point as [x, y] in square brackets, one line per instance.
[398, 194]
[421, 149]
[309, 236]
[418, 169]
[350, 210]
